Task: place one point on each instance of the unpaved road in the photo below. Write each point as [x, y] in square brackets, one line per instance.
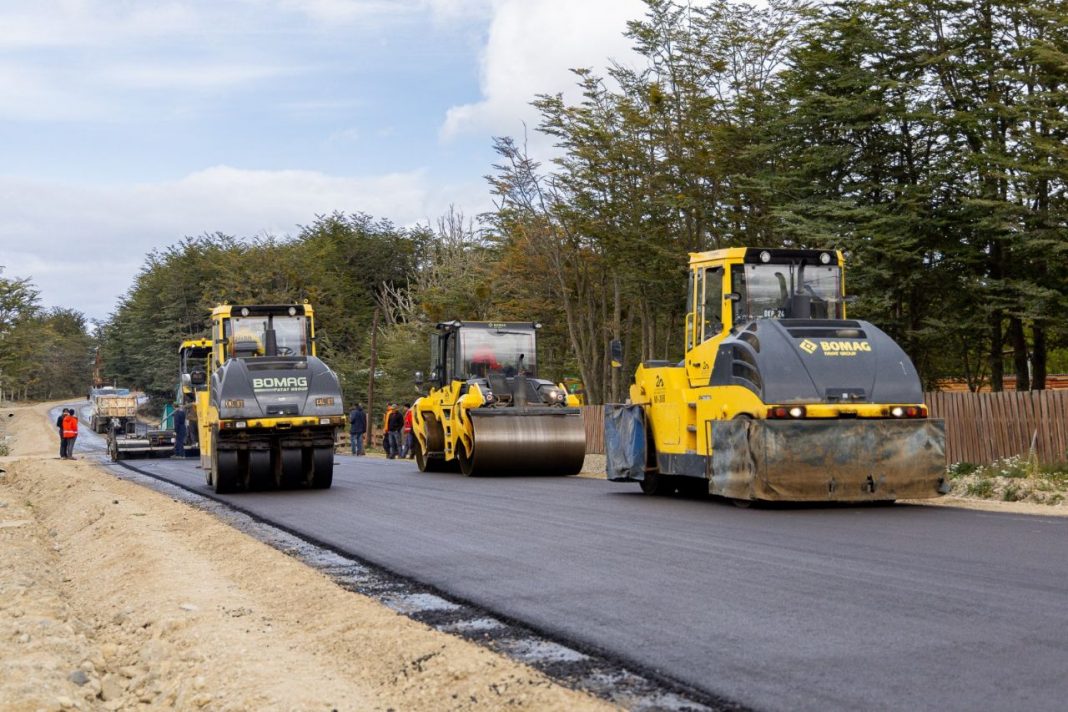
[115, 597]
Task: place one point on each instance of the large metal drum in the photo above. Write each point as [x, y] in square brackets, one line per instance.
[526, 441]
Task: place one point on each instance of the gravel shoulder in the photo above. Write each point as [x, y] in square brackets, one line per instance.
[113, 597]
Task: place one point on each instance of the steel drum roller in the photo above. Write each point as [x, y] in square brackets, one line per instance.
[518, 441]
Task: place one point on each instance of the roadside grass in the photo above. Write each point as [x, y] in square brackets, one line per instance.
[1012, 479]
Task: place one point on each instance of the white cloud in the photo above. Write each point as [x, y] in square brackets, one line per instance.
[530, 50]
[82, 246]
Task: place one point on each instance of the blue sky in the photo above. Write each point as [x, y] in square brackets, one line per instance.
[126, 125]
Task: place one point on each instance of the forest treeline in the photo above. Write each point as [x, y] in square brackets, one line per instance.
[44, 353]
[928, 140]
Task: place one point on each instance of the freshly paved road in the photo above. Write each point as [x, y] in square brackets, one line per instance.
[902, 607]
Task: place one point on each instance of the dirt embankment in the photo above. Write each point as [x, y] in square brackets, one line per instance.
[115, 597]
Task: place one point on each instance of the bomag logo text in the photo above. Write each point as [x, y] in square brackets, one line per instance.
[835, 348]
[290, 383]
[845, 346]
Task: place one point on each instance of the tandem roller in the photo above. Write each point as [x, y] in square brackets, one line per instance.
[487, 413]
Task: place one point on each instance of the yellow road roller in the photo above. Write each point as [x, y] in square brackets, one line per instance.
[780, 397]
[487, 412]
[272, 408]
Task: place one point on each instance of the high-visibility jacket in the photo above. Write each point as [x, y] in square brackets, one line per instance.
[70, 427]
[408, 421]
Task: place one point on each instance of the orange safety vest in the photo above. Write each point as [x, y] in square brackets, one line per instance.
[70, 427]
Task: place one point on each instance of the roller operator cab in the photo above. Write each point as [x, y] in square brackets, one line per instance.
[487, 412]
[780, 396]
[272, 407]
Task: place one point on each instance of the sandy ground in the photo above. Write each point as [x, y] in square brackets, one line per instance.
[115, 597]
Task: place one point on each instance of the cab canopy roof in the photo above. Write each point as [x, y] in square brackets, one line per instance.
[776, 255]
[457, 324]
[224, 310]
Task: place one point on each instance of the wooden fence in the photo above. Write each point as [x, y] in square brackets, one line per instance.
[983, 427]
[980, 427]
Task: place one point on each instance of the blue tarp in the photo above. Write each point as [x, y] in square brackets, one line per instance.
[624, 442]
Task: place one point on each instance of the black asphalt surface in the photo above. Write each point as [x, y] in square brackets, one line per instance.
[862, 608]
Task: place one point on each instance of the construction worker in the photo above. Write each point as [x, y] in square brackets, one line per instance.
[395, 424]
[357, 428]
[70, 434]
[386, 443]
[408, 447]
[59, 429]
[179, 431]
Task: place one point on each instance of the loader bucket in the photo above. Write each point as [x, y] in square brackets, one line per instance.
[828, 460]
[531, 441]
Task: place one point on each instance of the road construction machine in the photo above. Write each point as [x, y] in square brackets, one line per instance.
[193, 358]
[114, 413]
[780, 397]
[108, 403]
[487, 412]
[272, 408]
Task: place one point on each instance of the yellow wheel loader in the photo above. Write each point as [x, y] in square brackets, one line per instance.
[487, 412]
[780, 396]
[272, 408]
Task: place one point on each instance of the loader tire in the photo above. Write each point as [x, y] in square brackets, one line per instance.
[657, 485]
[322, 468]
[260, 476]
[223, 468]
[425, 463]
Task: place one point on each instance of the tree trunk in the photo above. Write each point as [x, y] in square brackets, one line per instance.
[997, 344]
[371, 381]
[1038, 357]
[1019, 353]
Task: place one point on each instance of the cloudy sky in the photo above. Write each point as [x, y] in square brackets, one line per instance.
[126, 125]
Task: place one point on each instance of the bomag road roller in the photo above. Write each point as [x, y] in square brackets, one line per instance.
[780, 397]
[487, 412]
[194, 356]
[272, 407]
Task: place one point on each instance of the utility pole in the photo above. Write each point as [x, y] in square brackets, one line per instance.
[371, 381]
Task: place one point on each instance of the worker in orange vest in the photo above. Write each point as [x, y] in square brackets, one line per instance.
[70, 434]
[387, 443]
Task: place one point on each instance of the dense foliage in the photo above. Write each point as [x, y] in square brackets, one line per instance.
[924, 138]
[44, 354]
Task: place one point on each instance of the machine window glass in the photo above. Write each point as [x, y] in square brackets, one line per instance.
[713, 306]
[450, 356]
[250, 336]
[691, 287]
[488, 351]
[765, 290]
[824, 285]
